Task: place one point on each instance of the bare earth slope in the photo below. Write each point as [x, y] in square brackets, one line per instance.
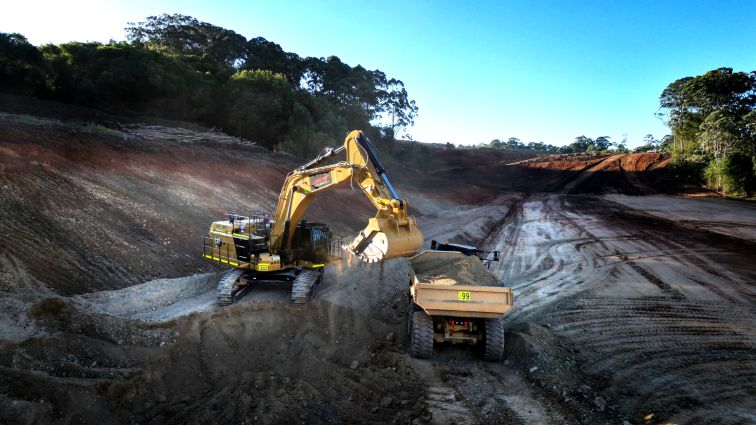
[120, 209]
[532, 172]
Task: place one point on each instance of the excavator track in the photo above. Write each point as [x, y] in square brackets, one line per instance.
[228, 287]
[304, 285]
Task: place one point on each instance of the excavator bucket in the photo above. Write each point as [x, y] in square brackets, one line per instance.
[385, 238]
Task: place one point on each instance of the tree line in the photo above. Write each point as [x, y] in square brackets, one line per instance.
[580, 144]
[177, 67]
[713, 122]
[601, 144]
[712, 118]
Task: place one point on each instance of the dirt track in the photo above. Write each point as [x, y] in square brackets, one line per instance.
[658, 320]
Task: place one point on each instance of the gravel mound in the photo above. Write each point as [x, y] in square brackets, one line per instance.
[452, 268]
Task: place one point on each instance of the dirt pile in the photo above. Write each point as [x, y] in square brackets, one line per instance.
[452, 269]
[263, 362]
[278, 364]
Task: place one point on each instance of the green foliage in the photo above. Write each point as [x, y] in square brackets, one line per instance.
[122, 78]
[23, 69]
[650, 143]
[258, 103]
[731, 175]
[713, 123]
[187, 37]
[580, 144]
[515, 143]
[263, 54]
[175, 66]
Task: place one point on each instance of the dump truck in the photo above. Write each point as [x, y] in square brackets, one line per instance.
[454, 298]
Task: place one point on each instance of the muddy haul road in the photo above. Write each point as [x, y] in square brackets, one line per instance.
[623, 317]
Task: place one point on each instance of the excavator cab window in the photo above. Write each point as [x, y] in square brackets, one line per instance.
[311, 242]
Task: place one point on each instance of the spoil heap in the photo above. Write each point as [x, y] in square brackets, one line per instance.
[452, 268]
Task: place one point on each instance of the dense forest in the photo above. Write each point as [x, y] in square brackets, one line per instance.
[713, 122]
[176, 67]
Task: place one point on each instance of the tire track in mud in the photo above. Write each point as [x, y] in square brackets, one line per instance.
[659, 317]
[665, 288]
[513, 223]
[666, 355]
[465, 390]
[670, 353]
[440, 398]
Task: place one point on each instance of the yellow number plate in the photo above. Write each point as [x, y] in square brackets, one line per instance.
[262, 268]
[463, 295]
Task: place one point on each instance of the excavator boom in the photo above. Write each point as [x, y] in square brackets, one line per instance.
[391, 233]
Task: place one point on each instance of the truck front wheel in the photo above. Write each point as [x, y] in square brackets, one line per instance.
[421, 335]
[494, 340]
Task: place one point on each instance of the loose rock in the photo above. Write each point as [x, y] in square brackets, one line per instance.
[600, 403]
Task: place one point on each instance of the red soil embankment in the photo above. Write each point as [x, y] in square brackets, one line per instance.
[85, 207]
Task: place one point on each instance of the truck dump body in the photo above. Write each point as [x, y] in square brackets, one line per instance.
[452, 268]
[447, 283]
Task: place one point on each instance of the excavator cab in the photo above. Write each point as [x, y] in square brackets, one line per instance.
[312, 242]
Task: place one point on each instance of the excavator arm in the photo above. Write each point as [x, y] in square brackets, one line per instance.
[391, 233]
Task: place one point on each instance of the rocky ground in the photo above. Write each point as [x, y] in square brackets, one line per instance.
[625, 311]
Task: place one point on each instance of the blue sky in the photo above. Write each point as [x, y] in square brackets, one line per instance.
[537, 70]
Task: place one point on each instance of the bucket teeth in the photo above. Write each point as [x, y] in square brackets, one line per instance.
[363, 256]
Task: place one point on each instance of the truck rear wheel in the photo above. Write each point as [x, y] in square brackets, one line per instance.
[421, 335]
[494, 340]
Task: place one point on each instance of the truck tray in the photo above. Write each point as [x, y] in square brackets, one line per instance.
[487, 302]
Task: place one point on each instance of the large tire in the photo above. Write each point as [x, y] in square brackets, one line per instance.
[421, 335]
[494, 351]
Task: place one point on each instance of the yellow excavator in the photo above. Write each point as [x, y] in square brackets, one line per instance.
[287, 248]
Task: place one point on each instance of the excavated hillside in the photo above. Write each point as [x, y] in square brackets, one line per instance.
[532, 172]
[628, 309]
[120, 207]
